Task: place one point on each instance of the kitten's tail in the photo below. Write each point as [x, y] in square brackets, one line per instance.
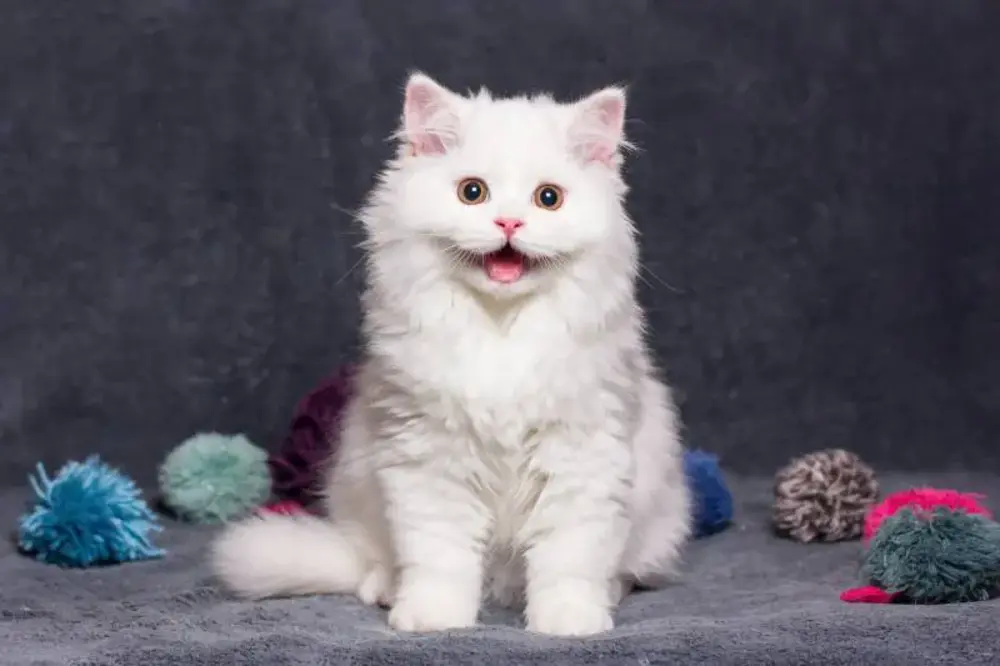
[280, 555]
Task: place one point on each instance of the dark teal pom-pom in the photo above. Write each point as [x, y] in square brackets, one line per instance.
[89, 514]
[942, 557]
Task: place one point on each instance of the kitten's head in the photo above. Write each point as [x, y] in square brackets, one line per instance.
[507, 196]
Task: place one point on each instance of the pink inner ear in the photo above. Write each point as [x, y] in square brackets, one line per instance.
[601, 153]
[426, 144]
[425, 108]
[610, 111]
[599, 127]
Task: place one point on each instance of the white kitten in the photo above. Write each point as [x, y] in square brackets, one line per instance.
[509, 432]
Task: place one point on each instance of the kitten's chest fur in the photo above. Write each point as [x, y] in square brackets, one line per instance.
[499, 392]
[499, 388]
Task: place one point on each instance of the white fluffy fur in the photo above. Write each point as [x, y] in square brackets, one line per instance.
[506, 438]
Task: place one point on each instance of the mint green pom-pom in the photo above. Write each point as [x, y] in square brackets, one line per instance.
[211, 478]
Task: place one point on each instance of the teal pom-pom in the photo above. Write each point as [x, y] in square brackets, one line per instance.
[89, 514]
[942, 557]
[211, 478]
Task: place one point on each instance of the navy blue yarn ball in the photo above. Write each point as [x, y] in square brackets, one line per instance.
[712, 502]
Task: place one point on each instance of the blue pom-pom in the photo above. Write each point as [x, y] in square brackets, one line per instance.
[90, 514]
[712, 503]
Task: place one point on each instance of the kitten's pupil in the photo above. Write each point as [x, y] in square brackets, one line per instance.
[548, 197]
[473, 191]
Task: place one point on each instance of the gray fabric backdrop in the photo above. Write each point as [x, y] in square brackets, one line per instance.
[817, 194]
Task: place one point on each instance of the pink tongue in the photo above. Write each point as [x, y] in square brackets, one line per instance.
[505, 266]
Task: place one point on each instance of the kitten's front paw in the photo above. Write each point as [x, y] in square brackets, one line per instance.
[569, 609]
[434, 606]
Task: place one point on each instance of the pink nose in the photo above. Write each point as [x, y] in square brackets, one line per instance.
[509, 227]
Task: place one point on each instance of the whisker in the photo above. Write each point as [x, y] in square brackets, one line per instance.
[642, 277]
[346, 211]
[349, 271]
[663, 282]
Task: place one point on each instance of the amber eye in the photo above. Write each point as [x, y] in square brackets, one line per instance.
[472, 191]
[549, 197]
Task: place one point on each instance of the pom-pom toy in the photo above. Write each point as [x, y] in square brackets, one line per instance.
[712, 503]
[823, 496]
[89, 514]
[283, 508]
[211, 478]
[311, 441]
[929, 546]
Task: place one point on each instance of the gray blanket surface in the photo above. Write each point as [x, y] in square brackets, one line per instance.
[747, 597]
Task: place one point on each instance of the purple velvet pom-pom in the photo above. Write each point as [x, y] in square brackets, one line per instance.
[296, 467]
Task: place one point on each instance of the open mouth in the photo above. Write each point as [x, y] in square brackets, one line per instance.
[505, 265]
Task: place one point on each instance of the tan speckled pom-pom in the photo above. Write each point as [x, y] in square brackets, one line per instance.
[823, 496]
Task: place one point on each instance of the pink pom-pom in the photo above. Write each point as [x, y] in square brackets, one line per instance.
[867, 595]
[923, 500]
[284, 507]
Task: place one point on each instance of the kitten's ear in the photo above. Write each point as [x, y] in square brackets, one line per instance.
[430, 116]
[597, 131]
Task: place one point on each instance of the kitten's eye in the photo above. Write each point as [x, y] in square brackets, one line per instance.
[549, 197]
[472, 191]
